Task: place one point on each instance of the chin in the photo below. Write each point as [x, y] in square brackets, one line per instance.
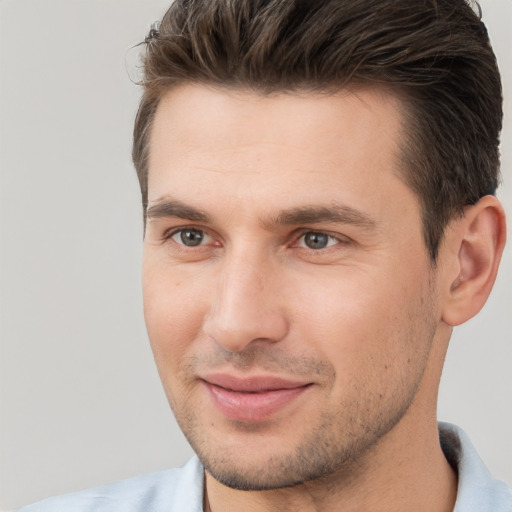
[273, 464]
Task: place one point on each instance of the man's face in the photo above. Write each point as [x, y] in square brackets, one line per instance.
[288, 294]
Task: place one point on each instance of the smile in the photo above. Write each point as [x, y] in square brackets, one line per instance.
[252, 399]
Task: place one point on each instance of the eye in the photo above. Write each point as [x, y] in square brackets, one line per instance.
[189, 237]
[316, 240]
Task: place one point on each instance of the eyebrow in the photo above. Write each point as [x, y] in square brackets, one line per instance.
[172, 208]
[339, 214]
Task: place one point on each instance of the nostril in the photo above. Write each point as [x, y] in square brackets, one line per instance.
[237, 336]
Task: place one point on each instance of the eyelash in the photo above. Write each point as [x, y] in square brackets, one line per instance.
[169, 234]
[339, 239]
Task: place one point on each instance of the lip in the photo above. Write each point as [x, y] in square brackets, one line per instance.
[252, 399]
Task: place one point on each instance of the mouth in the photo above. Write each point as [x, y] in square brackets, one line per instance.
[252, 399]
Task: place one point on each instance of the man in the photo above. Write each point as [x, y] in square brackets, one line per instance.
[317, 181]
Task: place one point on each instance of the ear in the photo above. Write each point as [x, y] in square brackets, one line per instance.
[474, 246]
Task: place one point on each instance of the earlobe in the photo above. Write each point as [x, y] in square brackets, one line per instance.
[477, 245]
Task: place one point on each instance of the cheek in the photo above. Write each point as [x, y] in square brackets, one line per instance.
[173, 320]
[362, 324]
[173, 313]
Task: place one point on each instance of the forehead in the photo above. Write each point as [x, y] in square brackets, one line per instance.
[188, 113]
[244, 146]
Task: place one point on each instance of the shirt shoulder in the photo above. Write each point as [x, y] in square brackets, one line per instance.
[172, 490]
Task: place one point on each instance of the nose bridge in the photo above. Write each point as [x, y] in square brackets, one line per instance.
[246, 305]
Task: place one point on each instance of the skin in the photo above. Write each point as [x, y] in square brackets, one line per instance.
[362, 323]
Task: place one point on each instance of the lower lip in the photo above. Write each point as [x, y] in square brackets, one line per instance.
[252, 407]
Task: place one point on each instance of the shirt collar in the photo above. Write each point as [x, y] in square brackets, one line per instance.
[477, 490]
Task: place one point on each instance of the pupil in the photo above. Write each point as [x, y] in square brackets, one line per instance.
[316, 240]
[191, 237]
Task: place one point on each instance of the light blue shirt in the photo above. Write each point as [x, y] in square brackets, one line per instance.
[181, 490]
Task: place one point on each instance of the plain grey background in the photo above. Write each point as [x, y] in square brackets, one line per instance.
[80, 400]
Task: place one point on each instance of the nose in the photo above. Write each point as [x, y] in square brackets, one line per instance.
[247, 305]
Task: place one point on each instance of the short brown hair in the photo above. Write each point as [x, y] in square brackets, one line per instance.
[435, 54]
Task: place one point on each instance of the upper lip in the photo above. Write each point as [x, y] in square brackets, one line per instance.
[252, 384]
